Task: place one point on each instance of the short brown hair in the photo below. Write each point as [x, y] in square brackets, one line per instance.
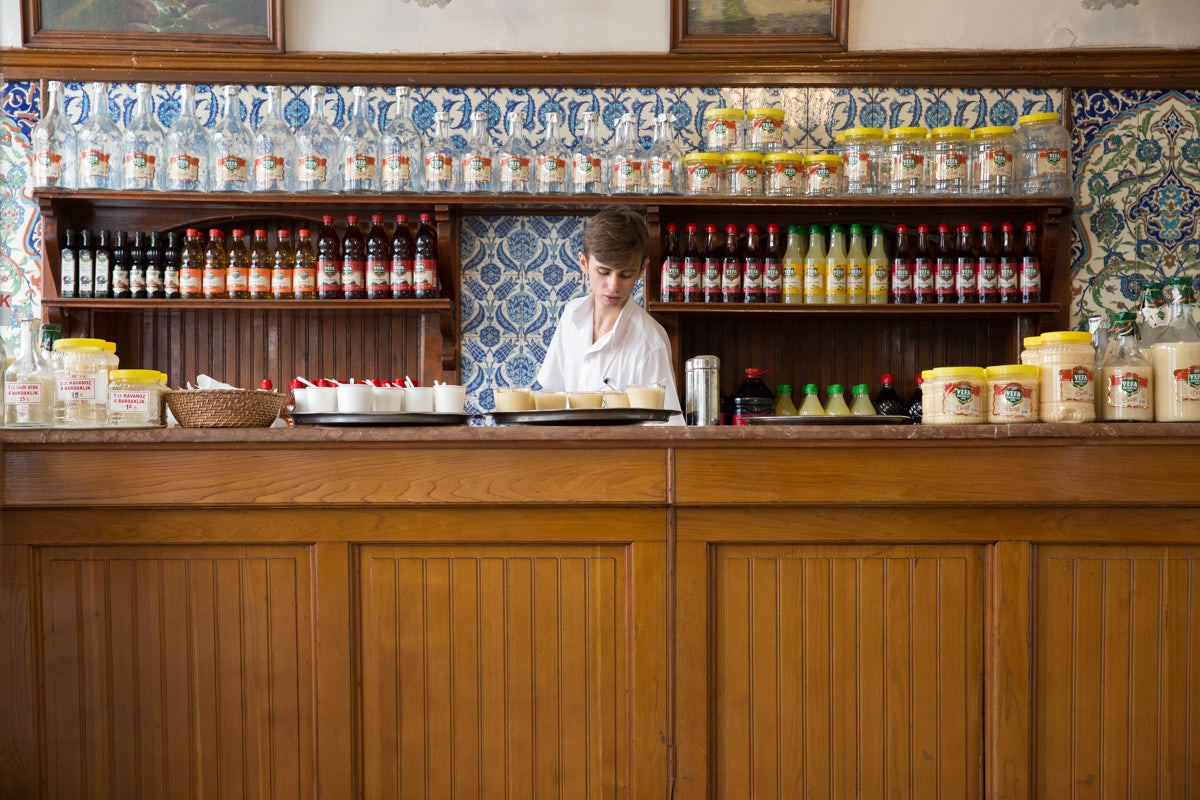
[617, 237]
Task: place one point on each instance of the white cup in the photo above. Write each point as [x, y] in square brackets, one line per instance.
[322, 399]
[389, 399]
[419, 399]
[300, 400]
[449, 398]
[355, 398]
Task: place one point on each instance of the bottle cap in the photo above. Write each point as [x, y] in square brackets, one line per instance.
[810, 388]
[834, 388]
[784, 388]
[755, 372]
[266, 385]
[887, 379]
[859, 389]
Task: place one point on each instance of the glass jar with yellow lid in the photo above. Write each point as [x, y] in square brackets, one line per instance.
[784, 174]
[702, 173]
[135, 398]
[742, 174]
[823, 174]
[765, 129]
[908, 150]
[81, 368]
[723, 129]
[992, 162]
[1043, 155]
[861, 150]
[950, 173]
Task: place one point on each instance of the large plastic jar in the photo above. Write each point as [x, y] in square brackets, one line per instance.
[992, 161]
[1068, 377]
[742, 174]
[950, 169]
[81, 368]
[135, 398]
[723, 128]
[953, 396]
[1012, 395]
[702, 173]
[907, 150]
[766, 129]
[1030, 354]
[862, 151]
[1043, 156]
[784, 174]
[823, 175]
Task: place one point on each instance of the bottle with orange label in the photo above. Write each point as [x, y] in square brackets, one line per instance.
[191, 266]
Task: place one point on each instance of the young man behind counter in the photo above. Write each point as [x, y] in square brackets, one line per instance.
[603, 340]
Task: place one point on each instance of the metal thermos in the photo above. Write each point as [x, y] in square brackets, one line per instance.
[703, 379]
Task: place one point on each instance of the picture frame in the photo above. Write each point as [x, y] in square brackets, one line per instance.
[215, 26]
[758, 26]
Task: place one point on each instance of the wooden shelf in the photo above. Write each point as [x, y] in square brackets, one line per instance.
[111, 304]
[888, 310]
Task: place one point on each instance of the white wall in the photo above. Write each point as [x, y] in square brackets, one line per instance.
[549, 26]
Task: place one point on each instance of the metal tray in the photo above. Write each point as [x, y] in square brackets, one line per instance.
[583, 416]
[381, 419]
[878, 419]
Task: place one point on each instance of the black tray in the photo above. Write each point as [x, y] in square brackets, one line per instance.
[877, 419]
[583, 416]
[381, 419]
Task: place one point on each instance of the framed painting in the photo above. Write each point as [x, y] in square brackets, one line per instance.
[758, 26]
[221, 26]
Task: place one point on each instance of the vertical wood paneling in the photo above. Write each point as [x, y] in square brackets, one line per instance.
[1116, 660]
[177, 672]
[502, 673]
[847, 671]
[18, 740]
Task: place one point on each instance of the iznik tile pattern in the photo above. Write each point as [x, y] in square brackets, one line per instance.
[1137, 184]
[1137, 195]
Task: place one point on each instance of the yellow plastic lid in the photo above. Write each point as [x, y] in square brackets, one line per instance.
[926, 374]
[773, 113]
[862, 133]
[1067, 337]
[783, 158]
[137, 376]
[993, 130]
[908, 133]
[838, 138]
[823, 158]
[1008, 371]
[958, 372]
[743, 158]
[1039, 118]
[1032, 341]
[724, 113]
[110, 347]
[79, 344]
[704, 158]
[951, 132]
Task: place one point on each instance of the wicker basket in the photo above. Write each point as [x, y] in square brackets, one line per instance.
[224, 408]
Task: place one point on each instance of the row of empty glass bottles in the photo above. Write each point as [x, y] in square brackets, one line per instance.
[359, 158]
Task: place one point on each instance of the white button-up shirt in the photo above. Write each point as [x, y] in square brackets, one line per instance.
[636, 350]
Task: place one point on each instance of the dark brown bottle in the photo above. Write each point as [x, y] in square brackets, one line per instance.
[670, 288]
[710, 278]
[752, 267]
[987, 272]
[965, 265]
[155, 288]
[902, 268]
[104, 268]
[425, 260]
[137, 267]
[379, 261]
[1009, 266]
[354, 261]
[403, 250]
[944, 264]
[888, 402]
[693, 266]
[171, 267]
[329, 261]
[1031, 266]
[923, 268]
[773, 266]
[731, 267]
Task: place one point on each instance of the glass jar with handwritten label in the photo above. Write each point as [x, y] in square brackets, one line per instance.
[81, 368]
[135, 398]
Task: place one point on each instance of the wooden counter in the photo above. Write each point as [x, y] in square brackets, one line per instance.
[958, 612]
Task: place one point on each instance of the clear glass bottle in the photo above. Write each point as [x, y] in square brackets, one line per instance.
[54, 144]
[142, 144]
[515, 157]
[315, 144]
[98, 161]
[550, 176]
[1176, 357]
[1155, 315]
[663, 159]
[230, 147]
[441, 157]
[28, 382]
[186, 148]
[304, 276]
[401, 148]
[478, 156]
[237, 278]
[626, 159]
[1126, 377]
[359, 148]
[587, 159]
[273, 148]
